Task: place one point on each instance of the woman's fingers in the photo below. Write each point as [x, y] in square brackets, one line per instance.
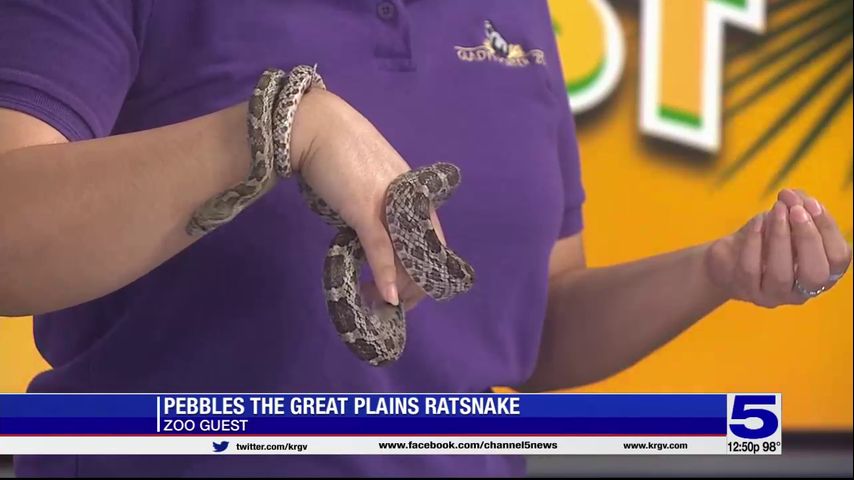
[404, 289]
[390, 278]
[835, 247]
[410, 293]
[837, 252]
[748, 271]
[797, 241]
[813, 268]
[438, 227]
[349, 164]
[779, 268]
[790, 197]
[380, 254]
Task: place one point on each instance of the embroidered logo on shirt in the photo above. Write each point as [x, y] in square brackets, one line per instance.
[496, 49]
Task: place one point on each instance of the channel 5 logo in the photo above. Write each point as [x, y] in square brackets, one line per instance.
[754, 416]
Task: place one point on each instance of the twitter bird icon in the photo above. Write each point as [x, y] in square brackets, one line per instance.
[220, 447]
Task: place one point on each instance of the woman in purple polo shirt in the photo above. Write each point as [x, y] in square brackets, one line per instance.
[118, 119]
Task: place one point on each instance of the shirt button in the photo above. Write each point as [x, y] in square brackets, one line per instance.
[386, 10]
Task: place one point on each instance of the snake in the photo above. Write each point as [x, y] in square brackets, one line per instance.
[375, 334]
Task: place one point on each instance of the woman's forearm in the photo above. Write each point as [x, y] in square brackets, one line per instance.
[602, 320]
[80, 220]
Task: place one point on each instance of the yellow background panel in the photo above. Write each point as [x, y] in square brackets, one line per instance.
[585, 27]
[647, 197]
[682, 55]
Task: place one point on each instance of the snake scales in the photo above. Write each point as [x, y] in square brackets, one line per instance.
[375, 336]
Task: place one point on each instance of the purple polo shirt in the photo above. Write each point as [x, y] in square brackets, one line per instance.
[242, 310]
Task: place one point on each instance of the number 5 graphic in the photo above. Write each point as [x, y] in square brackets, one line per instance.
[740, 411]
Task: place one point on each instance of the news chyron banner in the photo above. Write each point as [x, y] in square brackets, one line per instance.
[393, 424]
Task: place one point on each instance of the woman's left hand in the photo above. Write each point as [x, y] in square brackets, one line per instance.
[781, 257]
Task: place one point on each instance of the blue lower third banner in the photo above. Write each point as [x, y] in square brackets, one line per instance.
[390, 424]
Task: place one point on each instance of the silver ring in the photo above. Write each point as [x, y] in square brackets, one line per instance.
[809, 293]
[835, 276]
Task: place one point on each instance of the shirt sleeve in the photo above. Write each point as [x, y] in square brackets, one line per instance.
[567, 146]
[573, 191]
[69, 63]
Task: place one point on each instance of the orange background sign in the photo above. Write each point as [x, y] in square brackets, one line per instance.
[785, 121]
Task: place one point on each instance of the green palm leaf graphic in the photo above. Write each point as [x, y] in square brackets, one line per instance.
[777, 5]
[818, 33]
[736, 50]
[802, 62]
[836, 27]
[818, 128]
[787, 116]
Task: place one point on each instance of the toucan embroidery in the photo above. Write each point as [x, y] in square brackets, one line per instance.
[496, 48]
[496, 41]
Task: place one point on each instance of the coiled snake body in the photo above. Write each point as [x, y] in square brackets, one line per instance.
[375, 337]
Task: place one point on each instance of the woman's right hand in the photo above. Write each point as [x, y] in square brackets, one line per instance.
[349, 164]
